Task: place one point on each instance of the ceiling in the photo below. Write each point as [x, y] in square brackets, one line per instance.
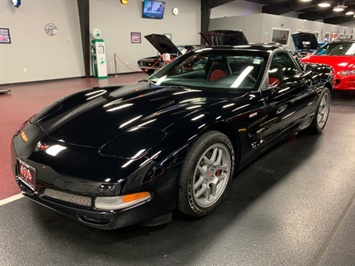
[306, 10]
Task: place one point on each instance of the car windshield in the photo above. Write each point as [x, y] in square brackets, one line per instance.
[337, 49]
[212, 68]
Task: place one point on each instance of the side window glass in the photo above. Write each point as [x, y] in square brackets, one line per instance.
[282, 66]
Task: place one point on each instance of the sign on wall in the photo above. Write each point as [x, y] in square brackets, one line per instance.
[5, 35]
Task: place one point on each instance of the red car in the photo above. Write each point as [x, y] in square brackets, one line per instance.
[341, 56]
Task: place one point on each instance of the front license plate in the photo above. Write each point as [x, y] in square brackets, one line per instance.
[26, 174]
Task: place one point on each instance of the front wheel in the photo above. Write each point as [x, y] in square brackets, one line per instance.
[206, 174]
[322, 112]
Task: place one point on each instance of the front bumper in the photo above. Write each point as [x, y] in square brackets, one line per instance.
[84, 179]
[161, 202]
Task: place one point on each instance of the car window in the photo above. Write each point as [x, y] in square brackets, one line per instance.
[225, 70]
[282, 66]
[337, 49]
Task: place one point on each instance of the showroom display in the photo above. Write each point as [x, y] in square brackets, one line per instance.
[163, 44]
[305, 43]
[339, 54]
[114, 156]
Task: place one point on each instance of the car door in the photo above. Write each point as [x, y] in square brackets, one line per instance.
[288, 99]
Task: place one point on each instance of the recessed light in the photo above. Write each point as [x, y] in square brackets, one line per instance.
[339, 8]
[324, 4]
[349, 13]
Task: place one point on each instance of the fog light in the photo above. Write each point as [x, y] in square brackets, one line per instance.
[121, 202]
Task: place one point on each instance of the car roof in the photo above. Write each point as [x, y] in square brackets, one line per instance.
[343, 41]
[255, 46]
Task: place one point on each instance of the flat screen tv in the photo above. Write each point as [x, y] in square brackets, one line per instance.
[153, 9]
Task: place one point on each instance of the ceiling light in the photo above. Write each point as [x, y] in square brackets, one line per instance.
[349, 13]
[324, 4]
[306, 0]
[339, 8]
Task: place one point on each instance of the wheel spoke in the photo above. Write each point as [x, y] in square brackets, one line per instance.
[213, 186]
[204, 190]
[207, 160]
[201, 175]
[219, 158]
[214, 155]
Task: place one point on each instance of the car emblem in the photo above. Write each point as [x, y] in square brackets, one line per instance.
[40, 146]
[24, 136]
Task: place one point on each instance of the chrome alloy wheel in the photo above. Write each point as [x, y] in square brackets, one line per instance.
[211, 175]
[323, 110]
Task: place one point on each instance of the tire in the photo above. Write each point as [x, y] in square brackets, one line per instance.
[322, 112]
[206, 174]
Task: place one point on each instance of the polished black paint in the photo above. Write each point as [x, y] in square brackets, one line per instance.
[123, 139]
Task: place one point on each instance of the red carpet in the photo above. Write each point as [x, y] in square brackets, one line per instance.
[26, 99]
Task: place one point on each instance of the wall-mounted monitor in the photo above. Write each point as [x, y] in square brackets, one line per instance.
[153, 9]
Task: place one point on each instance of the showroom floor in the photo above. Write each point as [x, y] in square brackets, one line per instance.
[293, 206]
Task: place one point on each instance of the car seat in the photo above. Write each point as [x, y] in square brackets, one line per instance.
[219, 69]
[276, 73]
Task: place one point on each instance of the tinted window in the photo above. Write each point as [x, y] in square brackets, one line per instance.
[206, 68]
[282, 66]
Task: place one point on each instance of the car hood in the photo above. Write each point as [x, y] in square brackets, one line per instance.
[162, 43]
[94, 117]
[304, 41]
[224, 37]
[338, 63]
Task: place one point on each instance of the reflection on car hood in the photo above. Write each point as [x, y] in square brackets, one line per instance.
[225, 37]
[162, 43]
[304, 41]
[94, 117]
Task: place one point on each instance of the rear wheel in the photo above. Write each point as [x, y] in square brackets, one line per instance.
[206, 174]
[322, 112]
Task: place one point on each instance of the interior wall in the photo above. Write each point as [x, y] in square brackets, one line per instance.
[258, 28]
[33, 55]
[236, 8]
[117, 22]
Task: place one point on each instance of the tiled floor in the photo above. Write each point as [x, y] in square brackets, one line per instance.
[293, 206]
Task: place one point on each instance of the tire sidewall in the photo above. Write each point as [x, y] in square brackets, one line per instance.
[315, 121]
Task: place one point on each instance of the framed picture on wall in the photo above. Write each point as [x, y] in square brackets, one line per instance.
[5, 36]
[136, 37]
[280, 35]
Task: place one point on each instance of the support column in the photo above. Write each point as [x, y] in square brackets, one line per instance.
[84, 18]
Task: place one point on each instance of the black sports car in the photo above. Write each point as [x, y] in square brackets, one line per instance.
[115, 156]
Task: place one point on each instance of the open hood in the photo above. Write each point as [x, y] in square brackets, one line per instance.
[224, 37]
[162, 43]
[304, 41]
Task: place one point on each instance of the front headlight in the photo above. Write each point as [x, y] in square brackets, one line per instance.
[346, 73]
[121, 202]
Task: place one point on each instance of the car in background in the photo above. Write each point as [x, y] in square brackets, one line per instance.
[340, 55]
[165, 46]
[114, 156]
[305, 43]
